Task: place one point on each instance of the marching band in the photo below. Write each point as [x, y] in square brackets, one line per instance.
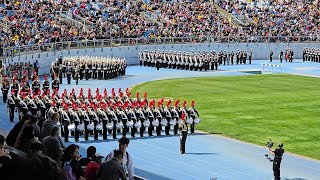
[99, 114]
[191, 60]
[88, 67]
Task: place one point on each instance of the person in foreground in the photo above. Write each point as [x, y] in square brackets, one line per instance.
[127, 162]
[112, 169]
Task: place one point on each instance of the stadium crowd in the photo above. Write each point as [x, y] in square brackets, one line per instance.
[50, 159]
[38, 22]
[277, 17]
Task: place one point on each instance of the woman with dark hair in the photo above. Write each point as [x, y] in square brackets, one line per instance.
[27, 138]
[70, 158]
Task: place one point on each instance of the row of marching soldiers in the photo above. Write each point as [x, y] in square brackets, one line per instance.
[104, 114]
[192, 61]
[25, 97]
[311, 54]
[88, 67]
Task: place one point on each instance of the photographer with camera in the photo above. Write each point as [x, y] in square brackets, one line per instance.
[277, 153]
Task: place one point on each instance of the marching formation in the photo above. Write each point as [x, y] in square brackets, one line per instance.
[88, 67]
[21, 69]
[192, 61]
[99, 114]
[311, 54]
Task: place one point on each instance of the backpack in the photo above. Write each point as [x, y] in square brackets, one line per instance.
[67, 170]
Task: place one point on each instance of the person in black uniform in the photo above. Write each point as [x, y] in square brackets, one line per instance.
[250, 56]
[69, 72]
[278, 153]
[60, 60]
[231, 57]
[5, 89]
[271, 54]
[12, 105]
[55, 84]
[158, 64]
[183, 127]
[281, 55]
[45, 84]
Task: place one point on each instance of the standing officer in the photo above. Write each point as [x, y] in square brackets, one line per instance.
[250, 56]
[277, 160]
[281, 55]
[36, 66]
[5, 89]
[69, 74]
[231, 58]
[183, 127]
[271, 54]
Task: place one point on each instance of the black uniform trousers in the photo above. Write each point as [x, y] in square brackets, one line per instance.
[4, 96]
[276, 170]
[95, 131]
[86, 130]
[11, 111]
[167, 127]
[142, 128]
[183, 138]
[69, 78]
[105, 131]
[159, 128]
[192, 125]
[76, 132]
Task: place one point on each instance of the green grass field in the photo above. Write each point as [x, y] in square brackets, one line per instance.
[253, 108]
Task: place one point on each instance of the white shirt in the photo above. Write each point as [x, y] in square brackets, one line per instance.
[126, 162]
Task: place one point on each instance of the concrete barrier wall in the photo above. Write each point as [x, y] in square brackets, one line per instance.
[260, 51]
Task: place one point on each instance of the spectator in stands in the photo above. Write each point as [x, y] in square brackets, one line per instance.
[127, 159]
[33, 123]
[91, 152]
[36, 148]
[71, 157]
[93, 167]
[51, 145]
[30, 122]
[4, 157]
[14, 132]
[112, 169]
[26, 139]
[35, 167]
[48, 124]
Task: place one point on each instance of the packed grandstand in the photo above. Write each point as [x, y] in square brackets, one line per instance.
[26, 23]
[38, 22]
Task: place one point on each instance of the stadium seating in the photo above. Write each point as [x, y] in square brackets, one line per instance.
[35, 22]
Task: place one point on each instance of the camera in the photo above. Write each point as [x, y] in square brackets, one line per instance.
[269, 156]
[269, 144]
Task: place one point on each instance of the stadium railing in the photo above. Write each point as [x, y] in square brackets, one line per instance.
[101, 43]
